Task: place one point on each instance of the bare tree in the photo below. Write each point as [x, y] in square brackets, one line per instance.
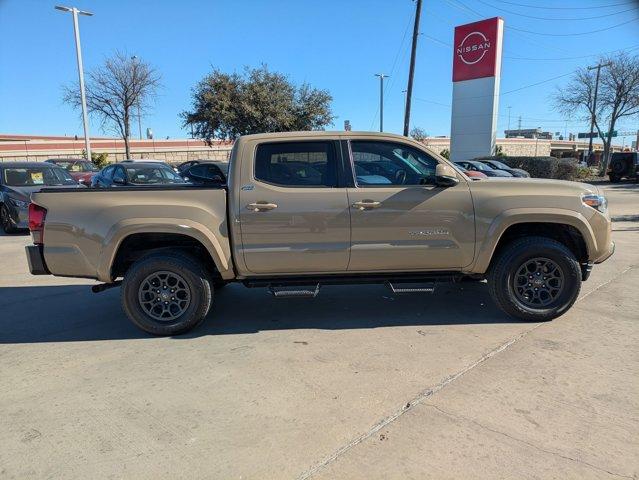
[117, 91]
[618, 96]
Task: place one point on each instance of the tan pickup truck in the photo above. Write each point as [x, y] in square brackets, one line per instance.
[305, 209]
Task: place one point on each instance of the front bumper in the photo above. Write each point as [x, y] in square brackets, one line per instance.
[608, 254]
[35, 258]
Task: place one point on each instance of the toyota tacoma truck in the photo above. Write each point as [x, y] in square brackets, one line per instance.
[305, 209]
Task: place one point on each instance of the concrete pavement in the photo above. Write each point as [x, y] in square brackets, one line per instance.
[354, 384]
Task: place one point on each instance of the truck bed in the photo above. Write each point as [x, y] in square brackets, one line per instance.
[84, 228]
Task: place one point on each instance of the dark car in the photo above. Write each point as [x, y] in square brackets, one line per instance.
[81, 170]
[135, 174]
[18, 180]
[204, 173]
[497, 165]
[224, 166]
[623, 165]
[475, 166]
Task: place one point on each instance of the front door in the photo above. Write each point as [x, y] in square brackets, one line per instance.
[401, 220]
[293, 216]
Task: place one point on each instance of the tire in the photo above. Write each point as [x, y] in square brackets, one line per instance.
[618, 168]
[5, 220]
[172, 273]
[614, 178]
[527, 259]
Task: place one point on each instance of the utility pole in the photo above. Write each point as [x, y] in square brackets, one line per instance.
[519, 123]
[411, 71]
[404, 92]
[594, 104]
[381, 99]
[509, 107]
[78, 52]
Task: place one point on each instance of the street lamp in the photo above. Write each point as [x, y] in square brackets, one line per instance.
[134, 58]
[381, 99]
[78, 50]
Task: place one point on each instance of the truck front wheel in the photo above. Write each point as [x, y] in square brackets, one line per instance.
[535, 279]
[166, 293]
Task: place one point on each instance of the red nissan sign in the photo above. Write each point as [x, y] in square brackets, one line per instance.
[475, 49]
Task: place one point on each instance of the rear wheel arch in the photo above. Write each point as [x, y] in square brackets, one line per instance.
[138, 245]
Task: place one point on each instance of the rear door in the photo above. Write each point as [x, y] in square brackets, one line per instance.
[401, 220]
[294, 213]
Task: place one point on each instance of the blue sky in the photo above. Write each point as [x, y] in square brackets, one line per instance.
[332, 44]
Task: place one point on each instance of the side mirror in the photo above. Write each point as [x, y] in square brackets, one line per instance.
[445, 175]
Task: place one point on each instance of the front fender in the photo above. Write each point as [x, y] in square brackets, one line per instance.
[508, 218]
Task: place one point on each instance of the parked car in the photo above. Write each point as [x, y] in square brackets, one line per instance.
[223, 166]
[18, 180]
[81, 170]
[142, 160]
[497, 165]
[204, 173]
[475, 166]
[473, 174]
[135, 174]
[623, 165]
[280, 224]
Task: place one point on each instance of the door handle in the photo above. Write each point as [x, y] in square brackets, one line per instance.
[366, 204]
[261, 206]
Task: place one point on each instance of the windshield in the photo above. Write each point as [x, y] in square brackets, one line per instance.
[76, 166]
[499, 165]
[150, 175]
[34, 176]
[480, 166]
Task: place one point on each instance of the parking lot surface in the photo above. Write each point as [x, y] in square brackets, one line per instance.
[357, 383]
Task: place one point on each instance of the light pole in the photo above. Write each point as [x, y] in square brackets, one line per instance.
[381, 99]
[78, 51]
[594, 104]
[509, 107]
[134, 58]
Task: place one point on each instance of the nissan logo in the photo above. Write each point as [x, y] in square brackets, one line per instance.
[473, 48]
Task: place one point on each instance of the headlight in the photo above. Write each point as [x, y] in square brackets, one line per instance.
[597, 202]
[19, 203]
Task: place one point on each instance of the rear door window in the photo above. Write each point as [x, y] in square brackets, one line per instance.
[297, 164]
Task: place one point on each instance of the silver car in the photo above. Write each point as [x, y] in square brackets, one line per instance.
[18, 180]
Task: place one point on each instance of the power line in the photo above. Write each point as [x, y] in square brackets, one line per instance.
[573, 34]
[625, 49]
[543, 7]
[557, 19]
[399, 50]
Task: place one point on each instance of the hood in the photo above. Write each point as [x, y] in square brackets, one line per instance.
[82, 175]
[520, 172]
[540, 186]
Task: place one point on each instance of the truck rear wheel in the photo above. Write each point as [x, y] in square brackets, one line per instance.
[535, 279]
[166, 293]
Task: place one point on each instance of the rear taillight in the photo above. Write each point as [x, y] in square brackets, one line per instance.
[37, 214]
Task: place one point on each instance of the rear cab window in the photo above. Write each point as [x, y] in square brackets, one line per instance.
[297, 164]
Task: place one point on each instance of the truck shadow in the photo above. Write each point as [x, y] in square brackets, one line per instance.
[72, 313]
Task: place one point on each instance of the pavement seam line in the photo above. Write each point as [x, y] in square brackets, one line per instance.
[536, 447]
[424, 394]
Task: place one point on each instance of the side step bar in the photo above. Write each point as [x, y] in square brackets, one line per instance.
[281, 292]
[413, 288]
